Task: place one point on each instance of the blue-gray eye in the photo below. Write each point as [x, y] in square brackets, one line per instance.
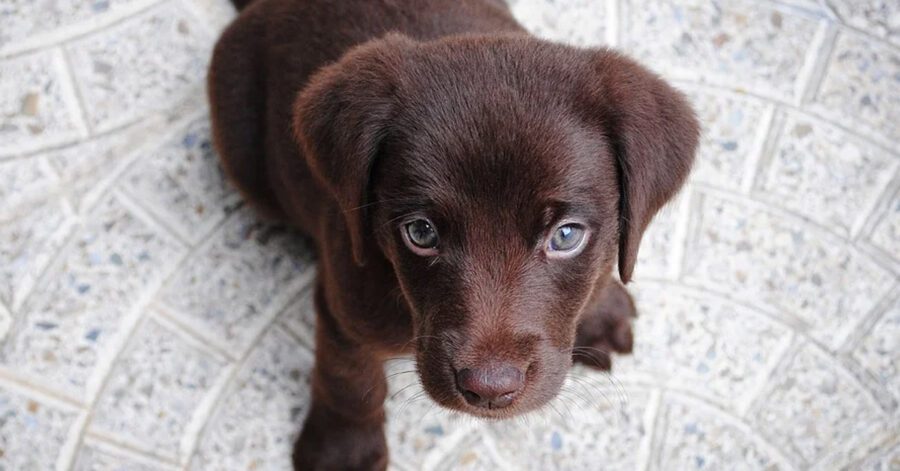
[567, 237]
[421, 234]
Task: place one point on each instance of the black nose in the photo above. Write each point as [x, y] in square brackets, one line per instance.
[492, 387]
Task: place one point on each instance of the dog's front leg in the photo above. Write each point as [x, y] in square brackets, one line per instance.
[345, 426]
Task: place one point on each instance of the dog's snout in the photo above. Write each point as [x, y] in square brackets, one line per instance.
[492, 387]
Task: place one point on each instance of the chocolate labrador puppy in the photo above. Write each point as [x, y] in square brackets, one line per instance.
[468, 188]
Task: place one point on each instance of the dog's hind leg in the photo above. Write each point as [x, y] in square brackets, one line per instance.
[605, 327]
[237, 96]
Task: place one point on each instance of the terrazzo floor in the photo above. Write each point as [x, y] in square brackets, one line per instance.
[149, 322]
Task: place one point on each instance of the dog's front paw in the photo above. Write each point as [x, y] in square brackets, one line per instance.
[605, 328]
[329, 443]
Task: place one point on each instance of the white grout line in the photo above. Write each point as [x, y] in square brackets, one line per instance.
[879, 207]
[133, 455]
[127, 330]
[865, 324]
[189, 338]
[680, 240]
[775, 210]
[203, 413]
[202, 416]
[764, 376]
[613, 23]
[850, 333]
[305, 338]
[866, 211]
[62, 236]
[812, 72]
[15, 381]
[69, 450]
[651, 440]
[868, 134]
[5, 321]
[280, 302]
[842, 455]
[55, 260]
[73, 93]
[92, 436]
[166, 314]
[158, 222]
[839, 368]
[787, 320]
[761, 148]
[136, 148]
[87, 27]
[779, 451]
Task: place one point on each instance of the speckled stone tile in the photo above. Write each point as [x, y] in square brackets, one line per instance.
[27, 244]
[597, 427]
[879, 353]
[240, 280]
[861, 86]
[260, 414]
[87, 169]
[811, 404]
[886, 233]
[694, 436]
[25, 24]
[824, 173]
[693, 342]
[580, 22]
[154, 389]
[730, 124]
[33, 224]
[814, 7]
[26, 182]
[5, 322]
[60, 331]
[874, 444]
[216, 13]
[32, 432]
[885, 459]
[655, 257]
[877, 17]
[474, 454]
[768, 258]
[102, 457]
[181, 179]
[124, 77]
[736, 44]
[300, 317]
[418, 430]
[37, 104]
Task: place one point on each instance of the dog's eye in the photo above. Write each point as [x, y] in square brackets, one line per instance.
[421, 237]
[567, 238]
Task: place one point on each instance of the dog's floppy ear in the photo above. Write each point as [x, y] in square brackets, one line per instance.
[653, 133]
[340, 119]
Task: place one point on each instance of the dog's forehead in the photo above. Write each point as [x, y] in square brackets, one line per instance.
[509, 163]
[482, 125]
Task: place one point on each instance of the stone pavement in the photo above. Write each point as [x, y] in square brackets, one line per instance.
[149, 321]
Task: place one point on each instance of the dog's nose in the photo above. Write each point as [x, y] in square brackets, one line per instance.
[492, 387]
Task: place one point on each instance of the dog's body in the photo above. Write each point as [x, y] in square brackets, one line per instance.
[444, 172]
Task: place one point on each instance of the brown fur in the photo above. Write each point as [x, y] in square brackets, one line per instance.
[347, 118]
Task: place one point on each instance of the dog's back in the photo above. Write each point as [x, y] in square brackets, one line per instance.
[267, 55]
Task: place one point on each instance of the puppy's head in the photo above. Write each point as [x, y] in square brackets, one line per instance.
[502, 177]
